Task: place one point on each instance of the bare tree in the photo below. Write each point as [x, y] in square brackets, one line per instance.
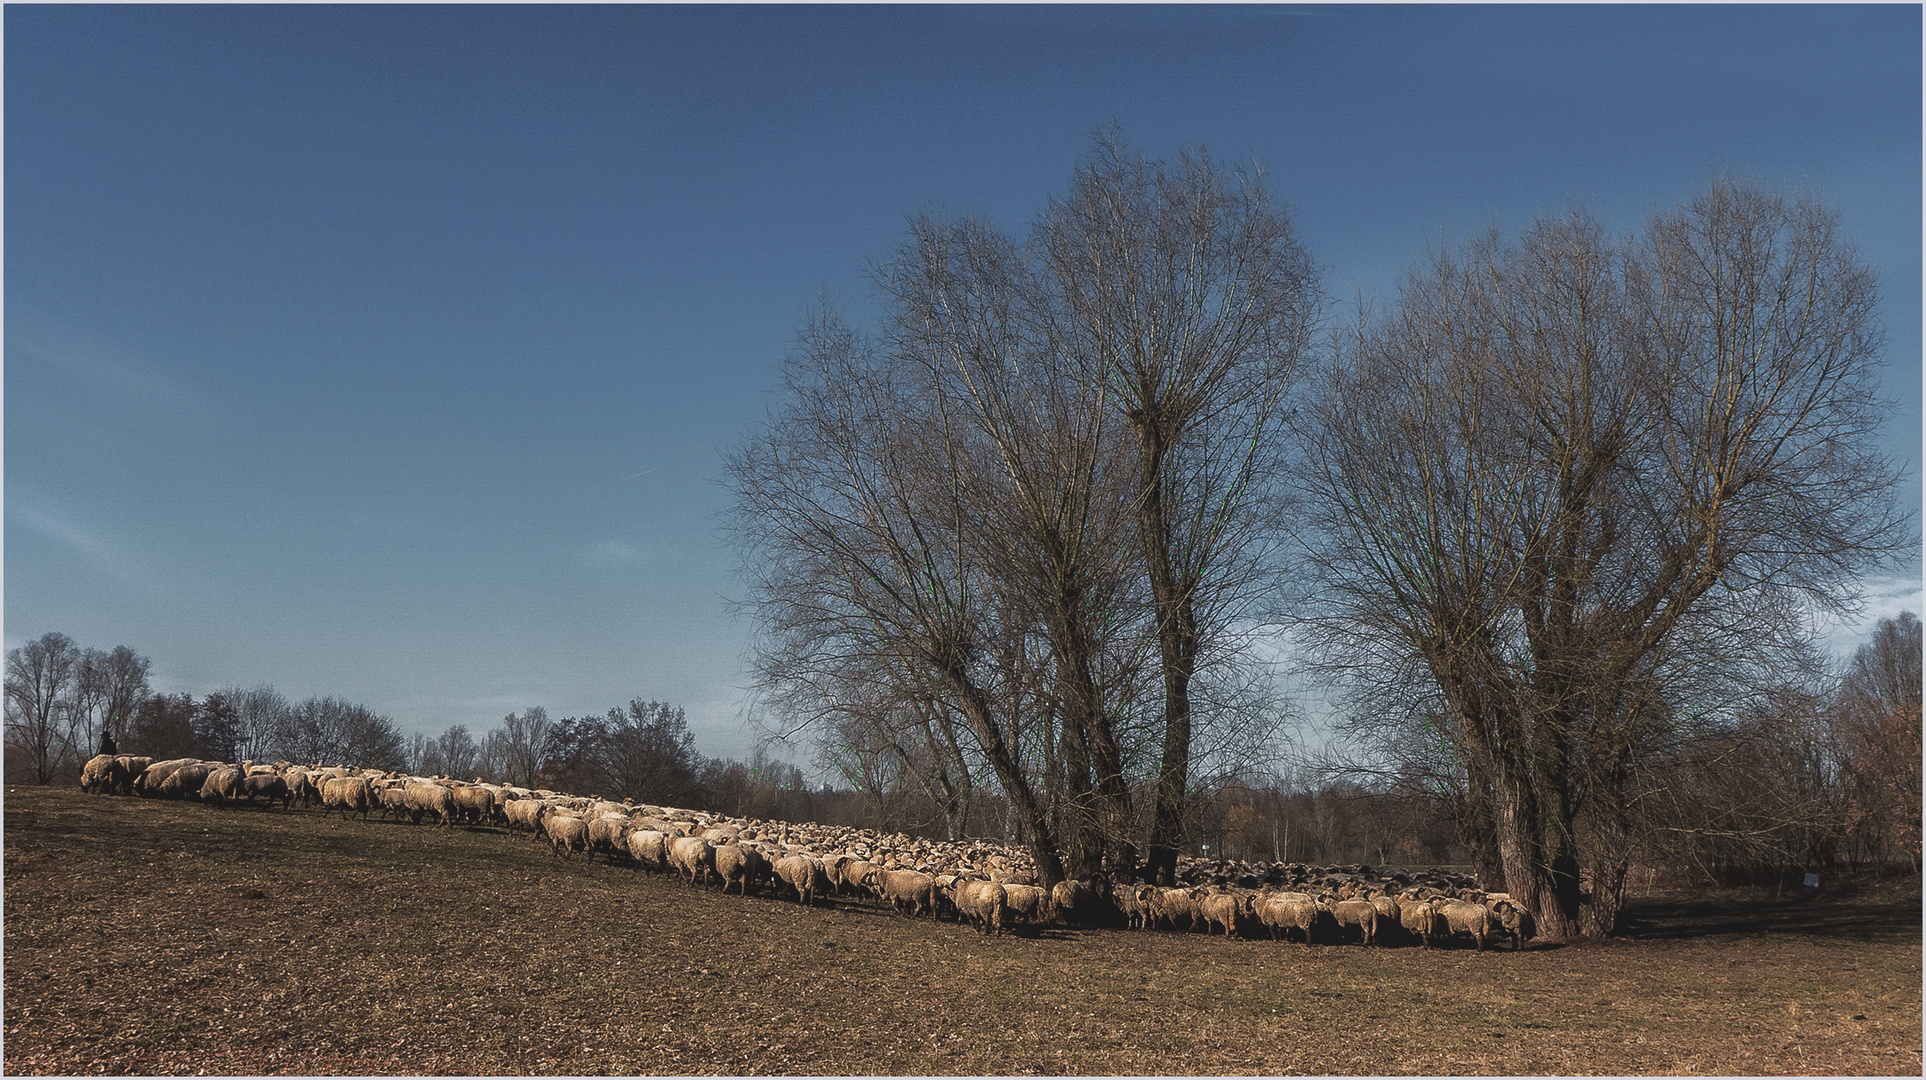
[1575, 477]
[459, 752]
[491, 758]
[420, 754]
[522, 739]
[1876, 719]
[956, 511]
[1182, 294]
[645, 752]
[1047, 487]
[40, 680]
[259, 713]
[329, 731]
[123, 677]
[163, 727]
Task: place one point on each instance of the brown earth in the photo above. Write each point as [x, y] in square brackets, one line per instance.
[147, 937]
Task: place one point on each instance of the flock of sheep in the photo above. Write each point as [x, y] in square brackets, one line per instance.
[989, 885]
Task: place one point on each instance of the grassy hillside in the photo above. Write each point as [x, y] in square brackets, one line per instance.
[151, 937]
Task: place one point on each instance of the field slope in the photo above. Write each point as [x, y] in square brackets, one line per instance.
[168, 938]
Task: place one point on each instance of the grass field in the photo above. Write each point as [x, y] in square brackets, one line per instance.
[155, 937]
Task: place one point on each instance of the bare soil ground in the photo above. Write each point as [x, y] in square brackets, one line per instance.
[147, 937]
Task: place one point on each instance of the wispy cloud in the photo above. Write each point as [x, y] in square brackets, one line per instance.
[134, 378]
[620, 551]
[1885, 597]
[112, 558]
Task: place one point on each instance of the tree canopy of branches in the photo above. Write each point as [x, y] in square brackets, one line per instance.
[1041, 499]
[1575, 480]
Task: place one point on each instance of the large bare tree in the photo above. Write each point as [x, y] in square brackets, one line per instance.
[1181, 295]
[1576, 477]
[1052, 473]
[852, 506]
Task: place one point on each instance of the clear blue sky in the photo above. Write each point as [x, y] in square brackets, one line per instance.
[392, 352]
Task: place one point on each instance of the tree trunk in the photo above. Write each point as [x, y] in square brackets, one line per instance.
[975, 706]
[1176, 642]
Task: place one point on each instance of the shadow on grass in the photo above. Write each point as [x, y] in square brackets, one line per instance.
[1803, 914]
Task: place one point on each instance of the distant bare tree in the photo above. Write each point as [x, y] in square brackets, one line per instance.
[40, 681]
[491, 758]
[1876, 719]
[259, 713]
[163, 727]
[458, 752]
[522, 739]
[329, 731]
[122, 679]
[420, 754]
[1572, 476]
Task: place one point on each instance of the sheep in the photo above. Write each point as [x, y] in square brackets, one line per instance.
[1512, 918]
[221, 785]
[102, 774]
[421, 796]
[1465, 917]
[693, 858]
[148, 783]
[1225, 909]
[1291, 911]
[1030, 901]
[1420, 919]
[906, 889]
[1075, 901]
[1358, 913]
[186, 781]
[525, 813]
[983, 903]
[805, 874]
[301, 786]
[392, 799]
[567, 833]
[1169, 905]
[741, 863]
[349, 794]
[839, 869]
[270, 786]
[136, 765]
[608, 834]
[477, 803]
[649, 848]
[858, 876]
[1135, 903]
[1387, 910]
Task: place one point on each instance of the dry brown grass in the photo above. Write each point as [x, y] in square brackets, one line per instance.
[168, 938]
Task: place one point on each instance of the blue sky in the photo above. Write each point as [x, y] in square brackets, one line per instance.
[393, 352]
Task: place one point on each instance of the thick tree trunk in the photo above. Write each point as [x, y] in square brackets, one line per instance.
[1176, 642]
